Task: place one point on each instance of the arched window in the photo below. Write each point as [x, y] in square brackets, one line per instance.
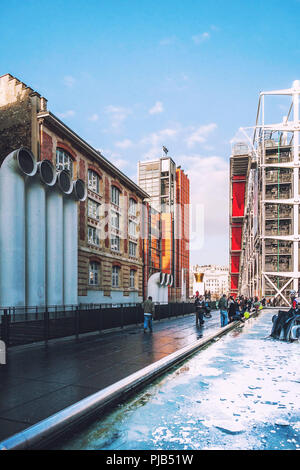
[64, 161]
[94, 273]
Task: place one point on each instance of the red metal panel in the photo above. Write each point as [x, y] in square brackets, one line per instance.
[238, 199]
[236, 237]
[235, 263]
[234, 282]
[239, 177]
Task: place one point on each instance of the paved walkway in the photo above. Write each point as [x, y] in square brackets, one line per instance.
[40, 380]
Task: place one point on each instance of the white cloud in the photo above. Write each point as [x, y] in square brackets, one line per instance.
[124, 144]
[118, 114]
[167, 41]
[157, 108]
[94, 117]
[159, 137]
[69, 81]
[152, 154]
[209, 188]
[199, 38]
[200, 134]
[67, 114]
[119, 162]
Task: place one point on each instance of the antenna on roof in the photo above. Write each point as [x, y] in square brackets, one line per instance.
[165, 150]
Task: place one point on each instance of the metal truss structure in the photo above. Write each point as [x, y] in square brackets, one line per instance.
[269, 242]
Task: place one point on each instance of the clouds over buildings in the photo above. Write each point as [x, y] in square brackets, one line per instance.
[66, 114]
[69, 81]
[117, 115]
[157, 108]
[200, 134]
[94, 117]
[209, 188]
[200, 38]
[124, 144]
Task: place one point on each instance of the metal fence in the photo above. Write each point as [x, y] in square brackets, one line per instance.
[24, 325]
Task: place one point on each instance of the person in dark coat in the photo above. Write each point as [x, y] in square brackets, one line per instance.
[200, 308]
[231, 308]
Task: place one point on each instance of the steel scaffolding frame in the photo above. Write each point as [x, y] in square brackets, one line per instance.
[255, 278]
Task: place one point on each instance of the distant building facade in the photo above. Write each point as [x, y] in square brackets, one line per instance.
[211, 280]
[169, 192]
[110, 221]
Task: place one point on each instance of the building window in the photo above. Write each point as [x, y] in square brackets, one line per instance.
[115, 219]
[93, 237]
[94, 274]
[132, 207]
[115, 243]
[64, 161]
[115, 195]
[115, 279]
[93, 209]
[132, 228]
[132, 249]
[132, 278]
[93, 181]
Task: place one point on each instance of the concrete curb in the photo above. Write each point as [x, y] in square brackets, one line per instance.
[45, 431]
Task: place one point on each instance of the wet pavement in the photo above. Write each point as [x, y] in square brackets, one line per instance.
[243, 392]
[40, 380]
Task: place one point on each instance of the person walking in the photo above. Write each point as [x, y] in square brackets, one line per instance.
[200, 307]
[149, 313]
[223, 310]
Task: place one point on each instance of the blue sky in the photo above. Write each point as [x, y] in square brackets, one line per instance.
[131, 76]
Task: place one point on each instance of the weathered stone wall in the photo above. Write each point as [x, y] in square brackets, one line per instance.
[15, 127]
[16, 104]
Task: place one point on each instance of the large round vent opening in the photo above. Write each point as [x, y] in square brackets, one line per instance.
[80, 190]
[65, 181]
[26, 161]
[47, 173]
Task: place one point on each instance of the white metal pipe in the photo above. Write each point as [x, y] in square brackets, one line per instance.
[36, 233]
[16, 166]
[70, 242]
[55, 238]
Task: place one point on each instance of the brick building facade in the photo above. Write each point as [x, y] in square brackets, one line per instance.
[110, 245]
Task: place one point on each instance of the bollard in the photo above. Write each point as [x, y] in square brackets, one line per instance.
[76, 322]
[122, 317]
[100, 319]
[2, 353]
[5, 327]
[46, 325]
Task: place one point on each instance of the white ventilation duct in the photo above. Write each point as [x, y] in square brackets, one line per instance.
[55, 238]
[70, 231]
[16, 166]
[158, 287]
[38, 232]
[36, 188]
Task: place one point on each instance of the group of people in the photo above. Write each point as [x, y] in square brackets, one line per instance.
[231, 309]
[202, 308]
[238, 308]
